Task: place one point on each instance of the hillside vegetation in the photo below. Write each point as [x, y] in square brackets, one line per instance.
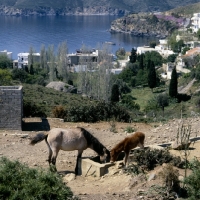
[62, 7]
[186, 11]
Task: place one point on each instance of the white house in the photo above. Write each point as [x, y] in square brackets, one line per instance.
[141, 50]
[167, 70]
[23, 58]
[163, 45]
[116, 71]
[195, 21]
[8, 54]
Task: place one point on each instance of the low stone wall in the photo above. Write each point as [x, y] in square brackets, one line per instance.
[11, 107]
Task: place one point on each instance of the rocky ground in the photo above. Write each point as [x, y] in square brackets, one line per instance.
[115, 185]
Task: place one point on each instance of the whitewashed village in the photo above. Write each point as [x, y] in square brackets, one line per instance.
[162, 48]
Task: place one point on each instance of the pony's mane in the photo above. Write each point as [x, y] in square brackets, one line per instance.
[93, 141]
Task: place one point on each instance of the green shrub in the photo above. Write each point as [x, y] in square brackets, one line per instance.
[192, 181]
[18, 181]
[129, 129]
[150, 158]
[59, 112]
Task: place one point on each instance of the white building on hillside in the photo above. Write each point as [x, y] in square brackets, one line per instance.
[23, 59]
[195, 22]
[8, 54]
[141, 50]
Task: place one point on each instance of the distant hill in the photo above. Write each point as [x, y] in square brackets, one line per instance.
[87, 7]
[186, 11]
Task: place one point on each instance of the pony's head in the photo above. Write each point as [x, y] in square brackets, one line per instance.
[105, 157]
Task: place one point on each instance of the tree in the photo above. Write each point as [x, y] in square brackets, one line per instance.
[173, 86]
[43, 57]
[141, 62]
[62, 62]
[5, 62]
[198, 34]
[152, 44]
[30, 57]
[120, 53]
[115, 93]
[163, 101]
[133, 56]
[19, 74]
[51, 60]
[153, 56]
[5, 77]
[171, 58]
[31, 69]
[152, 76]
[127, 101]
[185, 49]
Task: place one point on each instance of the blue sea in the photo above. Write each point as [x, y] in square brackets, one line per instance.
[18, 34]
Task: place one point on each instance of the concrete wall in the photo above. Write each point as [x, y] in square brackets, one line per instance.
[11, 107]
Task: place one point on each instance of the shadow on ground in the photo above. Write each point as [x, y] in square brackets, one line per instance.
[42, 125]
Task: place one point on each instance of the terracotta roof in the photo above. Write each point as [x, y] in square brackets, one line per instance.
[192, 52]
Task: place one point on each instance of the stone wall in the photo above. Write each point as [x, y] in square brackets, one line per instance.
[11, 107]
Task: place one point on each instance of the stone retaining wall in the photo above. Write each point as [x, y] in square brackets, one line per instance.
[11, 107]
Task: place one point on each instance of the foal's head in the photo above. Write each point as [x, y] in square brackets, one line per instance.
[113, 155]
[105, 157]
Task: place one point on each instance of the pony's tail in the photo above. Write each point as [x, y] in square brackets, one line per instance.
[38, 138]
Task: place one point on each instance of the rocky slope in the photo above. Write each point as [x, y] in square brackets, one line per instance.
[86, 7]
[144, 24]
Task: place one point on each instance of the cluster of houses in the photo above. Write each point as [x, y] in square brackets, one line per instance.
[162, 48]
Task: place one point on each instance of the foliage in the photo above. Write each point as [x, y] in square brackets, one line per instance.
[128, 101]
[59, 112]
[20, 75]
[192, 181]
[115, 93]
[18, 181]
[100, 111]
[141, 78]
[113, 127]
[120, 53]
[198, 34]
[5, 77]
[163, 101]
[171, 58]
[152, 76]
[150, 158]
[170, 178]
[152, 44]
[126, 74]
[176, 46]
[129, 129]
[185, 49]
[5, 62]
[173, 86]
[133, 56]
[154, 56]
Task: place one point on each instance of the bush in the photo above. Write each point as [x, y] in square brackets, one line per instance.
[59, 112]
[192, 181]
[18, 181]
[150, 158]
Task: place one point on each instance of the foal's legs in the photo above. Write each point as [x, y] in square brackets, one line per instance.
[126, 158]
[78, 156]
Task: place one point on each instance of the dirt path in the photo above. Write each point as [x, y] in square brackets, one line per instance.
[115, 185]
[184, 90]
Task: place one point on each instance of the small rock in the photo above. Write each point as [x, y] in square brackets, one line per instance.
[69, 177]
